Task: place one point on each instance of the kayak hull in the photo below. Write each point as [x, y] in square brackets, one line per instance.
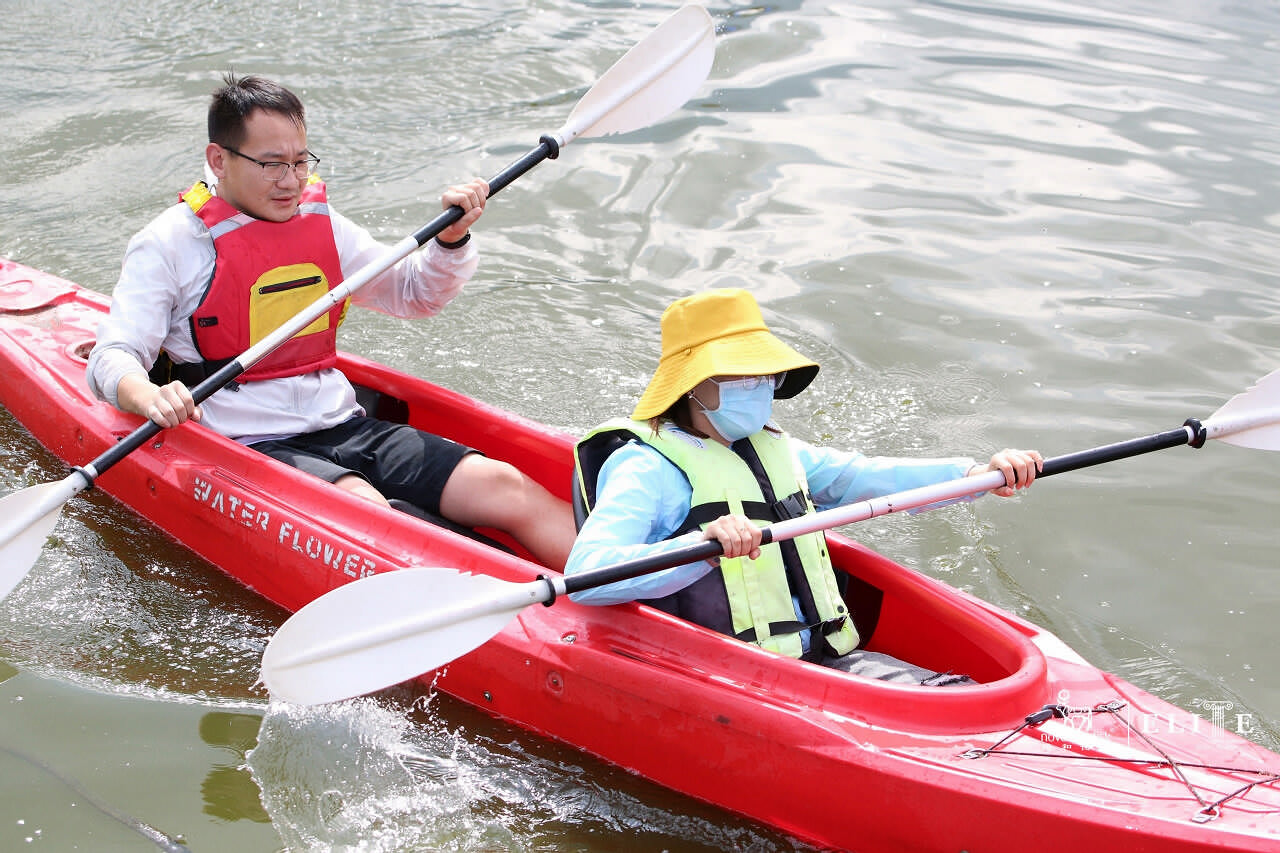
[837, 761]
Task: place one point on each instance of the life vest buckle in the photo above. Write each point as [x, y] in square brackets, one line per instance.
[792, 506]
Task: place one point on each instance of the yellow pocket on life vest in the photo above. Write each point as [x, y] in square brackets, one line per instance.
[281, 294]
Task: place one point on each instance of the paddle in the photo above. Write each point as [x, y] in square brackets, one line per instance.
[657, 75]
[386, 628]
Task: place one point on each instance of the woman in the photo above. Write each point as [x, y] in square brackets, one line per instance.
[700, 460]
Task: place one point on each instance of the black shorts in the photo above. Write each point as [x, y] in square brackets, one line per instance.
[397, 459]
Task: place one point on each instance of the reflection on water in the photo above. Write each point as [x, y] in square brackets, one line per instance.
[229, 790]
[85, 769]
[157, 837]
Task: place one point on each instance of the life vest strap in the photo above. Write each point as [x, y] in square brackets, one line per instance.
[191, 373]
[783, 628]
[775, 629]
[792, 506]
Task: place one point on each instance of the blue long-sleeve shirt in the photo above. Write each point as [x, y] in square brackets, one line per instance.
[642, 498]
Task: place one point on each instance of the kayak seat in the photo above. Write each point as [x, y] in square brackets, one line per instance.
[440, 521]
[384, 407]
[864, 601]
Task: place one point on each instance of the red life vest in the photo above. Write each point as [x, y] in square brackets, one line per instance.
[264, 275]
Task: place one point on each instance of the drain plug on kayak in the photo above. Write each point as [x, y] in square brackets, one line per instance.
[555, 683]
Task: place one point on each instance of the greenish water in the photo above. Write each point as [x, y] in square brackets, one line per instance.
[994, 224]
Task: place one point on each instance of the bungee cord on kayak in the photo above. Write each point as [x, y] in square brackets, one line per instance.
[1209, 809]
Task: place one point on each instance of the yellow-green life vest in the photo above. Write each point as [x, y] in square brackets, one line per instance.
[761, 478]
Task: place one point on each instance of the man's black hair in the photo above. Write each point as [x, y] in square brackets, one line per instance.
[238, 97]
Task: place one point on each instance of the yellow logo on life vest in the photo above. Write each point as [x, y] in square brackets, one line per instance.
[281, 294]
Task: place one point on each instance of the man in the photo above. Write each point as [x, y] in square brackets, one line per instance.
[264, 237]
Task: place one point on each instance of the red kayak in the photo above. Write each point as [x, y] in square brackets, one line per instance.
[1045, 746]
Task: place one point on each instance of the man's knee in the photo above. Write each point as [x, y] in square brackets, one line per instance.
[360, 487]
[492, 477]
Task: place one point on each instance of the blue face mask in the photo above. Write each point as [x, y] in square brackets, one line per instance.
[745, 406]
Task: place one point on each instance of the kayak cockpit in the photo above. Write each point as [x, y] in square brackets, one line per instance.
[897, 611]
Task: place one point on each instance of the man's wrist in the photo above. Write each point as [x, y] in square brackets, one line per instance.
[456, 244]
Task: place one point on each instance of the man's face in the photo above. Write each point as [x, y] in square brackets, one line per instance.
[269, 137]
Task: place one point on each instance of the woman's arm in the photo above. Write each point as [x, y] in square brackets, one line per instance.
[641, 499]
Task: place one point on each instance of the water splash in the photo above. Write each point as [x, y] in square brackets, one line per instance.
[377, 774]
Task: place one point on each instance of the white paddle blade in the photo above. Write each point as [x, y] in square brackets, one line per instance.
[29, 517]
[655, 77]
[1250, 419]
[385, 629]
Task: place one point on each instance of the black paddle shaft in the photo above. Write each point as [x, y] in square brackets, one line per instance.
[546, 149]
[1191, 433]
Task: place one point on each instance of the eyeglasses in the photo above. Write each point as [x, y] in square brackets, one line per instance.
[751, 383]
[275, 170]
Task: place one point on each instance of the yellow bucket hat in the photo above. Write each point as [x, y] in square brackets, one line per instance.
[718, 333]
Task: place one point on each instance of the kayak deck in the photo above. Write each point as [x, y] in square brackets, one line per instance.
[701, 713]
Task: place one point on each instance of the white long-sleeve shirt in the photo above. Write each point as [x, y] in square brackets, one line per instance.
[166, 269]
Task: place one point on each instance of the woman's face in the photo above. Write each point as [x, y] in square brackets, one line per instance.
[705, 398]
[708, 390]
